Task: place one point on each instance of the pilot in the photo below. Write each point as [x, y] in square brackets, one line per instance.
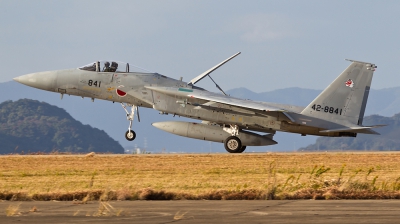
[107, 67]
[114, 66]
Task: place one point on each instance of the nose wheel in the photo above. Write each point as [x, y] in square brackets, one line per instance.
[130, 135]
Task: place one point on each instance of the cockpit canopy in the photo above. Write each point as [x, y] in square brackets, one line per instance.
[111, 66]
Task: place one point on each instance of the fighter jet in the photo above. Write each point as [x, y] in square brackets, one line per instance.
[337, 112]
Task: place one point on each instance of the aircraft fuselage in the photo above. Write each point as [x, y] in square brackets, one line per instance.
[103, 85]
[337, 111]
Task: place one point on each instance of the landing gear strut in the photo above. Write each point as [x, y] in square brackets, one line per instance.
[130, 135]
[233, 144]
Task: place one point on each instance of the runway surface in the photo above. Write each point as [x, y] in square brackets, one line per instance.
[207, 153]
[300, 211]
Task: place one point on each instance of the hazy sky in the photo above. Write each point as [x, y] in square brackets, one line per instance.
[283, 43]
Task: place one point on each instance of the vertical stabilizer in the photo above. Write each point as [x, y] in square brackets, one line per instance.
[345, 99]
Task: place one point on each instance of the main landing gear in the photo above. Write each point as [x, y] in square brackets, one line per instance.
[130, 135]
[233, 144]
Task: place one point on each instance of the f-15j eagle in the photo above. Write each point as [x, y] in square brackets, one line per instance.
[338, 111]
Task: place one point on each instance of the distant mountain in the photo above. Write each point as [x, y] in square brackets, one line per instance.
[388, 140]
[32, 126]
[111, 117]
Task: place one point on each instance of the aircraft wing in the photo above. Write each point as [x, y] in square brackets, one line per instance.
[244, 105]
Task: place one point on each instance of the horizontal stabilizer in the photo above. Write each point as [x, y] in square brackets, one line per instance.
[356, 129]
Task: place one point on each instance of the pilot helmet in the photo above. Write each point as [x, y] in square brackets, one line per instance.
[107, 63]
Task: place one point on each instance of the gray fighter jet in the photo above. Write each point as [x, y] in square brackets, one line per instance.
[337, 112]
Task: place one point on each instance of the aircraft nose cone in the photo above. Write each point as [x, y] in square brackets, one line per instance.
[16, 79]
[40, 80]
[24, 79]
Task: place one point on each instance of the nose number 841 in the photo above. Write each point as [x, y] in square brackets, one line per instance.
[94, 83]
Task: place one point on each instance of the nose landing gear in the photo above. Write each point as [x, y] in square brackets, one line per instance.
[130, 135]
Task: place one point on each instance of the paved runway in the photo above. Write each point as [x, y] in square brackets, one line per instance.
[300, 211]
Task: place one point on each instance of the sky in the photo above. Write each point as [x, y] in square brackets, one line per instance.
[283, 43]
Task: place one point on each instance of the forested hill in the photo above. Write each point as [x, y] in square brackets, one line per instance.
[388, 140]
[28, 126]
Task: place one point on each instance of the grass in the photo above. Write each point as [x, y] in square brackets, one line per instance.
[211, 177]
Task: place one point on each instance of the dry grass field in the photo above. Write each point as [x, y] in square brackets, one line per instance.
[201, 176]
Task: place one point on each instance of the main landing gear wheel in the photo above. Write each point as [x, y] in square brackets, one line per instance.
[233, 144]
[242, 149]
[130, 135]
